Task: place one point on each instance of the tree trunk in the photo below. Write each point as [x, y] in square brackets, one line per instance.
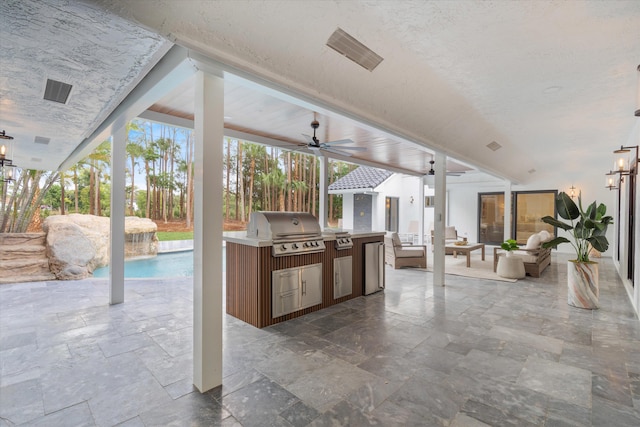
[252, 167]
[288, 183]
[133, 186]
[62, 212]
[228, 189]
[75, 187]
[241, 182]
[313, 187]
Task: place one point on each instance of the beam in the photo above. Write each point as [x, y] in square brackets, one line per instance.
[173, 69]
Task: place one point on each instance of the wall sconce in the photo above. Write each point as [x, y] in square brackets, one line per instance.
[572, 191]
[621, 164]
[621, 167]
[6, 164]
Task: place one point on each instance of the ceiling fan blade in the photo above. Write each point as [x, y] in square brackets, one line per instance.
[336, 151]
[352, 148]
[340, 141]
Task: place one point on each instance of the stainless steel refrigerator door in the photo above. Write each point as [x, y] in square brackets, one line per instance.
[373, 267]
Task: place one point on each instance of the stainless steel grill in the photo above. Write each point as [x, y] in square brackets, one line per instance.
[291, 233]
[342, 238]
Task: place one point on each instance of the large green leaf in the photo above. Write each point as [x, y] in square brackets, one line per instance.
[567, 209]
[552, 221]
[555, 242]
[600, 243]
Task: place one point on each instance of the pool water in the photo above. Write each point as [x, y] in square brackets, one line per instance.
[175, 264]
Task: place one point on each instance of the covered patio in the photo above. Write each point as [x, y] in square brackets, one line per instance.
[475, 352]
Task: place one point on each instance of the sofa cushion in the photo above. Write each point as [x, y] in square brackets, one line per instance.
[533, 242]
[409, 253]
[396, 239]
[526, 256]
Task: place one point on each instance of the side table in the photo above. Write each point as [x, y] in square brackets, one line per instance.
[510, 267]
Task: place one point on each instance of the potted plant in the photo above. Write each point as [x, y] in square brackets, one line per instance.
[509, 246]
[587, 229]
[510, 266]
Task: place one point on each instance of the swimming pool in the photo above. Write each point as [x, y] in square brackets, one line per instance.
[174, 264]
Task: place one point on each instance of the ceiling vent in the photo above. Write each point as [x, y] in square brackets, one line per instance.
[36, 159]
[494, 146]
[42, 140]
[348, 46]
[57, 91]
[531, 171]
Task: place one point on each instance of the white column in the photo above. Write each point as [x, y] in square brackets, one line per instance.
[116, 262]
[507, 210]
[323, 206]
[207, 236]
[420, 203]
[439, 216]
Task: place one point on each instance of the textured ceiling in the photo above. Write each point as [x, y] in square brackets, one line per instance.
[548, 80]
[101, 55]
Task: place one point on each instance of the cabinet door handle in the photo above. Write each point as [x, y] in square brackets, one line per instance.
[337, 278]
[304, 287]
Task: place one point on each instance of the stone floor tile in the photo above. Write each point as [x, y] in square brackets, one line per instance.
[474, 352]
[558, 380]
[76, 415]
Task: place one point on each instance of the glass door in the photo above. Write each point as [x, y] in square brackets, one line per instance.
[530, 207]
[491, 218]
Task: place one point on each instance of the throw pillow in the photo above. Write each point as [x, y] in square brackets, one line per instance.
[533, 242]
[544, 235]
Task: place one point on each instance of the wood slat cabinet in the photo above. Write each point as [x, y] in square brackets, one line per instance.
[249, 272]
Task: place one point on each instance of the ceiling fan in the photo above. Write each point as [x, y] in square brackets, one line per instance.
[433, 172]
[315, 145]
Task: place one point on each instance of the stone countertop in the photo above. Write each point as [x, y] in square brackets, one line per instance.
[240, 237]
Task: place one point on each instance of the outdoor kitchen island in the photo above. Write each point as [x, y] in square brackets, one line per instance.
[265, 287]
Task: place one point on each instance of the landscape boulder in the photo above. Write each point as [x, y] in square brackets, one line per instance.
[78, 244]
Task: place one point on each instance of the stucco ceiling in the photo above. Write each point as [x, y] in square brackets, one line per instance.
[549, 81]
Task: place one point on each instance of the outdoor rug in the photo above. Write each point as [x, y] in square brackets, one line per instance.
[479, 269]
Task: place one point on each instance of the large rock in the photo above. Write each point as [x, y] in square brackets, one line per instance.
[78, 244]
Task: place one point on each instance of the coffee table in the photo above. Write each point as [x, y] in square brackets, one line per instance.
[466, 249]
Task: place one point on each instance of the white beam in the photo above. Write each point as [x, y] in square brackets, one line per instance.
[173, 69]
[116, 262]
[421, 241]
[207, 236]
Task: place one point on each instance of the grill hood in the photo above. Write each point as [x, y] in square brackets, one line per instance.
[279, 226]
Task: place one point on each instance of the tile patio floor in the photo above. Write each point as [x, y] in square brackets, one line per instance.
[474, 353]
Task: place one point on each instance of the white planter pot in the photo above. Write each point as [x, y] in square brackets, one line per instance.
[582, 283]
[510, 266]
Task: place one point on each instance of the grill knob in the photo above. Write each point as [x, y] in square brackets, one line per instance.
[294, 246]
[283, 247]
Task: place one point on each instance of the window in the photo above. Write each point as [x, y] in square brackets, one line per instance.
[391, 214]
[530, 206]
[491, 218]
[527, 210]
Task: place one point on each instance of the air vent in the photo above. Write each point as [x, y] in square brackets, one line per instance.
[41, 140]
[57, 91]
[36, 159]
[494, 146]
[531, 171]
[348, 46]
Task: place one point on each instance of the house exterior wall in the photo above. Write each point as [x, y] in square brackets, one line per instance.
[463, 212]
